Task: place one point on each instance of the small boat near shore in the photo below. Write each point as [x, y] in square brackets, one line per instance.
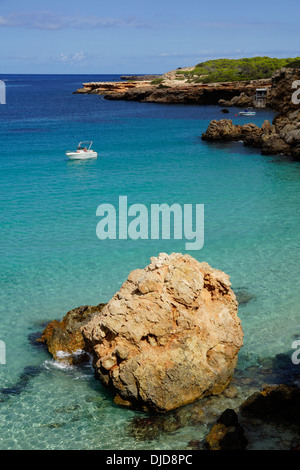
[83, 152]
[247, 113]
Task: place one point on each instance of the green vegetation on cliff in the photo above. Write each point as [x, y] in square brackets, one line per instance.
[231, 70]
[294, 65]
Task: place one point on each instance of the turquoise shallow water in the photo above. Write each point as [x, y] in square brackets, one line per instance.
[52, 261]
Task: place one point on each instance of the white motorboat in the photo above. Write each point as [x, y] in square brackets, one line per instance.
[247, 113]
[83, 152]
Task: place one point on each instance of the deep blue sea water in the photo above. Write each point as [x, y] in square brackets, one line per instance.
[52, 261]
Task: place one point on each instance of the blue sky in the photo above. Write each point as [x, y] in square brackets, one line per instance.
[130, 36]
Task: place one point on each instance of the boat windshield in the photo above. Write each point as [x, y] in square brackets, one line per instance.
[85, 145]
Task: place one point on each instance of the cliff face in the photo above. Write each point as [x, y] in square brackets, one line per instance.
[280, 137]
[173, 91]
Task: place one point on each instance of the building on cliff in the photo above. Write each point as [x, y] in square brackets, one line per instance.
[260, 97]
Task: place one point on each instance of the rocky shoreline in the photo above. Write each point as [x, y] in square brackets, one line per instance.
[165, 90]
[282, 136]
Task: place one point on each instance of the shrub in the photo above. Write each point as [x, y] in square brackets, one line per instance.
[157, 81]
[230, 70]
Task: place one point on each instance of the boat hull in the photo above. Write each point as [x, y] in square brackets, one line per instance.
[81, 155]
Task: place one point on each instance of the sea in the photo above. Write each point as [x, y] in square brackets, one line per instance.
[52, 261]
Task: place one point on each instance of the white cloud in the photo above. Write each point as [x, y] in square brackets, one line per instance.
[70, 59]
[49, 21]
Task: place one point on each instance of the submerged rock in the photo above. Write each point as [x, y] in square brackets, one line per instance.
[170, 336]
[194, 445]
[151, 427]
[277, 403]
[53, 425]
[28, 373]
[64, 339]
[34, 340]
[243, 296]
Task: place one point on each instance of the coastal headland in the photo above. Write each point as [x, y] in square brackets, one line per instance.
[170, 90]
[228, 82]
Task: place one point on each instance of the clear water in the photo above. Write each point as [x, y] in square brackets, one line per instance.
[52, 261]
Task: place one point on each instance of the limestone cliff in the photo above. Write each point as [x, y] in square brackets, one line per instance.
[173, 91]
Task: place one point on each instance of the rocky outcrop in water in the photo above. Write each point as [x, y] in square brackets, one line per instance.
[227, 433]
[225, 130]
[64, 339]
[170, 336]
[280, 137]
[243, 100]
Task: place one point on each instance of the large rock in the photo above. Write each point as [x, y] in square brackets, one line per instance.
[274, 145]
[170, 336]
[223, 130]
[242, 101]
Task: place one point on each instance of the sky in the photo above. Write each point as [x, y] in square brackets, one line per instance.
[138, 36]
